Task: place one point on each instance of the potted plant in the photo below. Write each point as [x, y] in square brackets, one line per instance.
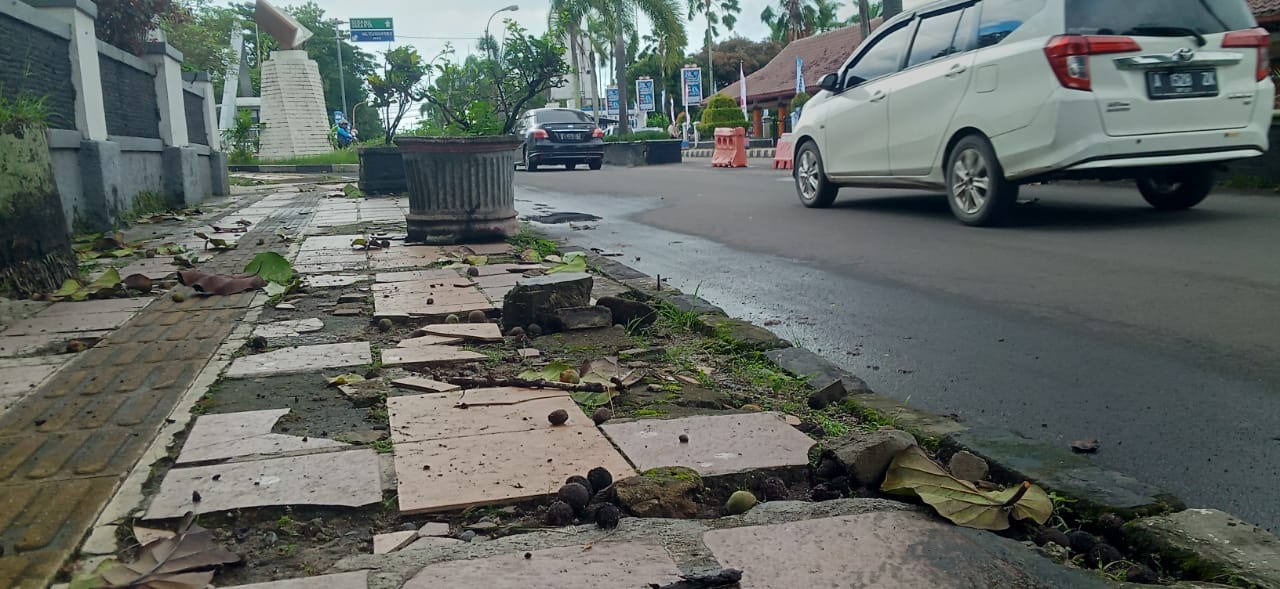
[459, 165]
[722, 112]
[35, 256]
[647, 148]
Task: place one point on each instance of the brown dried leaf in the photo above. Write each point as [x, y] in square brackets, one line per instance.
[914, 473]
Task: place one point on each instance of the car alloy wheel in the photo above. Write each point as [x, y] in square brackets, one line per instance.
[971, 181]
[808, 175]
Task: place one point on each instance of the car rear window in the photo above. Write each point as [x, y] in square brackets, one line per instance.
[563, 116]
[1149, 17]
[1000, 18]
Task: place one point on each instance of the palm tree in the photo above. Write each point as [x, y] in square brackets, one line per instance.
[567, 17]
[717, 12]
[875, 10]
[788, 22]
[617, 19]
[824, 16]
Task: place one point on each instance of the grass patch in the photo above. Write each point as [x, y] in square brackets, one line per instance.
[341, 156]
[529, 238]
[1250, 182]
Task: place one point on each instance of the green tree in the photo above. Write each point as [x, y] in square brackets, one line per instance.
[205, 39]
[796, 19]
[875, 9]
[753, 55]
[717, 12]
[398, 87]
[665, 18]
[568, 17]
[125, 23]
[486, 96]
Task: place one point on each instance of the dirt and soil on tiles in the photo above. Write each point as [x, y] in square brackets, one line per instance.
[675, 367]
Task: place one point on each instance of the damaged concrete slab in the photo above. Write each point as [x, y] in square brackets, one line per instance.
[608, 564]
[297, 359]
[234, 435]
[456, 473]
[421, 418]
[716, 444]
[883, 550]
[348, 478]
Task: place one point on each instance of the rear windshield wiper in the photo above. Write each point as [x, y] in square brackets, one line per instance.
[1165, 31]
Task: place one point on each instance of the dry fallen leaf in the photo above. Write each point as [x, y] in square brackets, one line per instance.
[187, 560]
[914, 473]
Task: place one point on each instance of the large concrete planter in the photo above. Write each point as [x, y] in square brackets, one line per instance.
[643, 153]
[382, 171]
[461, 189]
[35, 256]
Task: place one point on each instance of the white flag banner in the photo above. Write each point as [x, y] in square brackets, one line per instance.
[742, 91]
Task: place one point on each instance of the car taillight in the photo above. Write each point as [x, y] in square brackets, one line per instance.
[1069, 56]
[1257, 38]
[597, 133]
[539, 134]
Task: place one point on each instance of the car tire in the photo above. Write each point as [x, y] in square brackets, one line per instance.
[977, 190]
[596, 164]
[1177, 189]
[570, 167]
[812, 186]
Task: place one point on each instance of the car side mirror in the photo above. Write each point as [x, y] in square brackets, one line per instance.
[829, 82]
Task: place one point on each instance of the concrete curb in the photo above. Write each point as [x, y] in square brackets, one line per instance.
[1012, 456]
[294, 169]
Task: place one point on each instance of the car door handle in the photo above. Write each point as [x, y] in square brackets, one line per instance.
[956, 70]
[877, 96]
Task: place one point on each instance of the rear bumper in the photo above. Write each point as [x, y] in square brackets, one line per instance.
[566, 153]
[1067, 138]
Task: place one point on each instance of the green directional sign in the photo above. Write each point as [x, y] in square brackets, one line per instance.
[372, 24]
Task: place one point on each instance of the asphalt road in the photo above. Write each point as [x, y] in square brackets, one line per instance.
[1093, 316]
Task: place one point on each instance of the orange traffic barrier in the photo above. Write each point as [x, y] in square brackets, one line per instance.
[731, 148]
[785, 152]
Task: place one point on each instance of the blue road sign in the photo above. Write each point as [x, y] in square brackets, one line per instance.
[377, 36]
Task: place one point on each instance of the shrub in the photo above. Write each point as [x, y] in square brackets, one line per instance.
[799, 101]
[657, 119]
[645, 136]
[721, 112]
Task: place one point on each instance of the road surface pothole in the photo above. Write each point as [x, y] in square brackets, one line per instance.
[558, 218]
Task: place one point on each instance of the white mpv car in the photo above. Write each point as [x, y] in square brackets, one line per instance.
[980, 96]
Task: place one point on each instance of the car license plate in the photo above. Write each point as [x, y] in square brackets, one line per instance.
[1164, 85]
[572, 136]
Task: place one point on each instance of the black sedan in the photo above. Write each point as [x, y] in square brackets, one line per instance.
[560, 136]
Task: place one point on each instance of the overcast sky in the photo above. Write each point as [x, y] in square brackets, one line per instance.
[429, 24]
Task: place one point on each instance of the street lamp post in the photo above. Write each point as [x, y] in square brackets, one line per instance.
[342, 75]
[512, 8]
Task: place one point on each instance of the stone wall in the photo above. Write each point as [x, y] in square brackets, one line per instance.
[128, 94]
[122, 126]
[36, 61]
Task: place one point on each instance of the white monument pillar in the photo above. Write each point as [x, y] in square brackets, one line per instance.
[293, 116]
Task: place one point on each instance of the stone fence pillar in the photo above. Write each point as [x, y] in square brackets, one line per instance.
[86, 76]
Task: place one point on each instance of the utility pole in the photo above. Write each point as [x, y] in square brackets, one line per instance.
[892, 8]
[864, 18]
[342, 74]
[711, 64]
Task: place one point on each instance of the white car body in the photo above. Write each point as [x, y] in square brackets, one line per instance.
[1099, 121]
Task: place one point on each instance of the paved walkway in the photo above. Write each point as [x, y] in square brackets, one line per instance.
[65, 448]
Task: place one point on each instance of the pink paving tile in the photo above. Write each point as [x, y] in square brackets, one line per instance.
[428, 356]
[417, 383]
[301, 359]
[450, 474]
[489, 249]
[386, 543]
[441, 277]
[232, 435]
[605, 565]
[715, 445]
[422, 418]
[17, 380]
[77, 317]
[428, 340]
[485, 332]
[411, 299]
[349, 479]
